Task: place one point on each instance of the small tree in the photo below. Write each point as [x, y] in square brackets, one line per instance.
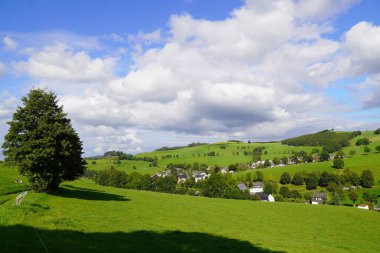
[367, 150]
[42, 143]
[267, 163]
[284, 191]
[367, 179]
[285, 178]
[312, 181]
[353, 195]
[270, 187]
[336, 199]
[370, 196]
[377, 149]
[259, 176]
[297, 179]
[338, 163]
[352, 152]
[324, 156]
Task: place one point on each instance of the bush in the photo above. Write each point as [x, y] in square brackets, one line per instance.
[367, 179]
[312, 181]
[285, 178]
[297, 179]
[284, 191]
[338, 163]
[278, 198]
[362, 141]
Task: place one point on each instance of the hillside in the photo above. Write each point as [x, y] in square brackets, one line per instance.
[326, 138]
[84, 217]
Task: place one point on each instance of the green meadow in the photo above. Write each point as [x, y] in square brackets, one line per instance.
[84, 217]
[226, 153]
[128, 166]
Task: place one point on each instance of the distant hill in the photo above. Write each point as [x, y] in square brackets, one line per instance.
[195, 144]
[328, 139]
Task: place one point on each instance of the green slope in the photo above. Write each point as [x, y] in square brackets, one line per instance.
[84, 217]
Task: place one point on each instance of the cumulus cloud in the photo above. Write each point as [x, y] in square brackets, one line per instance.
[258, 74]
[236, 76]
[320, 10]
[60, 62]
[9, 43]
[362, 42]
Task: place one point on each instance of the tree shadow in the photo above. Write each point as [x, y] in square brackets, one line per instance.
[69, 191]
[27, 239]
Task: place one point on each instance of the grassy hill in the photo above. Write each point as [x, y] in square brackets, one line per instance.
[84, 217]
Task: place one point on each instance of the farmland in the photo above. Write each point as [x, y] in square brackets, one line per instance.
[84, 217]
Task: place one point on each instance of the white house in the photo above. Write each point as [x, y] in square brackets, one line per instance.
[363, 206]
[318, 198]
[181, 178]
[200, 176]
[256, 188]
[224, 170]
[265, 197]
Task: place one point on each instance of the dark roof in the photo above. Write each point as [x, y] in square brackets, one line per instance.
[242, 186]
[319, 195]
[258, 184]
[262, 195]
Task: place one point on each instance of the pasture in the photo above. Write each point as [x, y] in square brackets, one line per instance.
[84, 217]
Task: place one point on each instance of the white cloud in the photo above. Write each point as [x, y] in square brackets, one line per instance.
[9, 43]
[320, 10]
[238, 75]
[60, 63]
[243, 76]
[362, 42]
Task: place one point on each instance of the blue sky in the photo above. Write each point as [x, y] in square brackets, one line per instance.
[137, 75]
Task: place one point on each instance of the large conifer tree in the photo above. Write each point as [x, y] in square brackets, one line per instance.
[42, 143]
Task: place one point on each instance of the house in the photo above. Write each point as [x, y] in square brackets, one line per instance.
[224, 170]
[167, 173]
[265, 197]
[182, 178]
[156, 175]
[200, 176]
[377, 208]
[318, 198]
[257, 187]
[363, 206]
[242, 186]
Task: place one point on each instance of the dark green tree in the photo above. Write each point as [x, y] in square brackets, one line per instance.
[312, 181]
[285, 178]
[42, 143]
[377, 149]
[338, 163]
[370, 196]
[284, 191]
[367, 179]
[353, 195]
[324, 156]
[259, 176]
[297, 179]
[367, 150]
[270, 187]
[324, 179]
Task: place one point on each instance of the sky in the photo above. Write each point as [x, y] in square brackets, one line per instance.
[141, 74]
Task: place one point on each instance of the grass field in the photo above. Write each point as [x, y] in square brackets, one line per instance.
[231, 153]
[84, 217]
[7, 180]
[127, 166]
